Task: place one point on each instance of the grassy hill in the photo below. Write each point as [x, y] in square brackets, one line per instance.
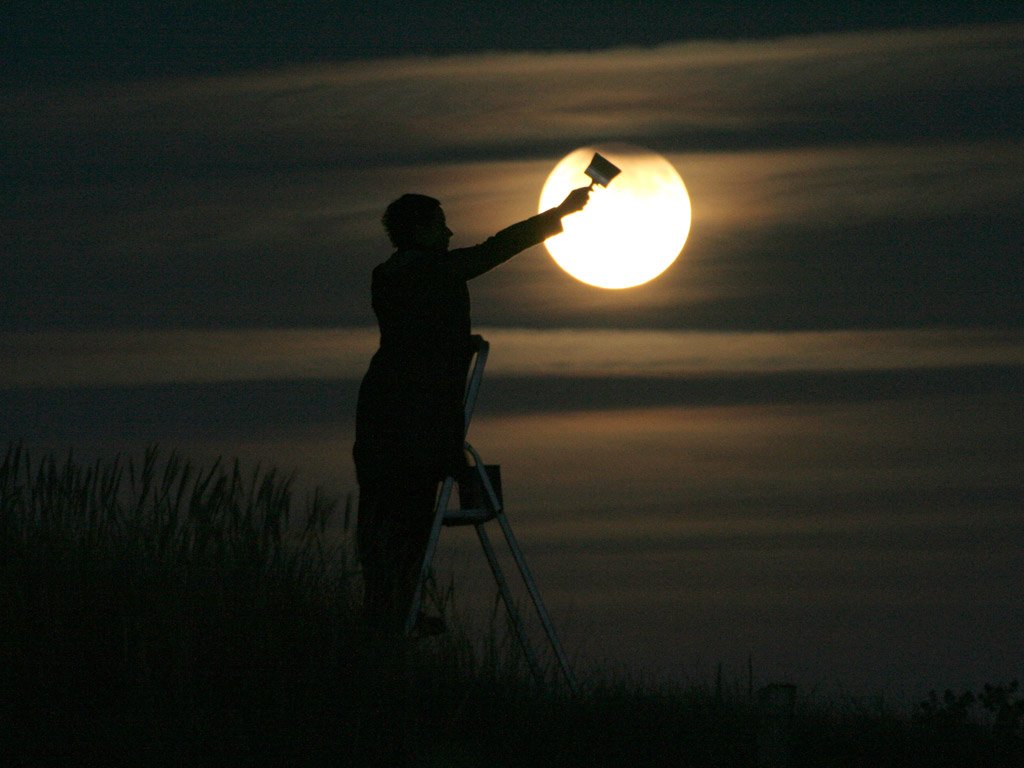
[159, 612]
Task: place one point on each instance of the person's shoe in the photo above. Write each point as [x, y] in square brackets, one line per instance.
[428, 626]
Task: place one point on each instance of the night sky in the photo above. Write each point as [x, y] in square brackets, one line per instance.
[800, 444]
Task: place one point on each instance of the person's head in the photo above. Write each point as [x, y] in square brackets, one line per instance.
[417, 221]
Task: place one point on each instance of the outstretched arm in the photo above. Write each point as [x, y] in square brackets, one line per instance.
[475, 260]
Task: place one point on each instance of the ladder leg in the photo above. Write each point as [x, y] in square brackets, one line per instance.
[481, 348]
[524, 571]
[538, 603]
[506, 596]
[428, 555]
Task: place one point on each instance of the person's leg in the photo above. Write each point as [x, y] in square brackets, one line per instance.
[371, 543]
[417, 521]
[392, 531]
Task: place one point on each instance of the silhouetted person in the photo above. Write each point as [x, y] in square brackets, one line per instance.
[410, 428]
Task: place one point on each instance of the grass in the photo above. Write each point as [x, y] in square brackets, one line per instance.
[157, 611]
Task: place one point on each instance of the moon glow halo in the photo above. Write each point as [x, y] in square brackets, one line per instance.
[632, 230]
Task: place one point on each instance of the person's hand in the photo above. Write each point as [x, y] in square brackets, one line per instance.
[574, 201]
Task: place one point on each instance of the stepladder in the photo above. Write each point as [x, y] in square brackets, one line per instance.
[481, 504]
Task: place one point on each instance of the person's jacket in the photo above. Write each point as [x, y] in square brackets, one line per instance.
[409, 417]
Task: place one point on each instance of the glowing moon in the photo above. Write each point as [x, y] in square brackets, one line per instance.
[632, 230]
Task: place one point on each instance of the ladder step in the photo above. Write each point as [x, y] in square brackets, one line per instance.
[468, 516]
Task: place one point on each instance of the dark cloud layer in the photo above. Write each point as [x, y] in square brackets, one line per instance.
[837, 180]
[51, 40]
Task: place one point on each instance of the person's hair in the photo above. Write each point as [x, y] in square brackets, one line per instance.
[405, 214]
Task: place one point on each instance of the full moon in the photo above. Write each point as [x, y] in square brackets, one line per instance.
[632, 230]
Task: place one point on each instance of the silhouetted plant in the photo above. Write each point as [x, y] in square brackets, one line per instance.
[1006, 707]
[956, 735]
[184, 614]
[951, 712]
[120, 575]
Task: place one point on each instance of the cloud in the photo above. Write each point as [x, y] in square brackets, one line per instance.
[722, 95]
[748, 190]
[601, 353]
[141, 358]
[254, 198]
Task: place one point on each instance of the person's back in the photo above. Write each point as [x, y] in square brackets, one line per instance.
[410, 401]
